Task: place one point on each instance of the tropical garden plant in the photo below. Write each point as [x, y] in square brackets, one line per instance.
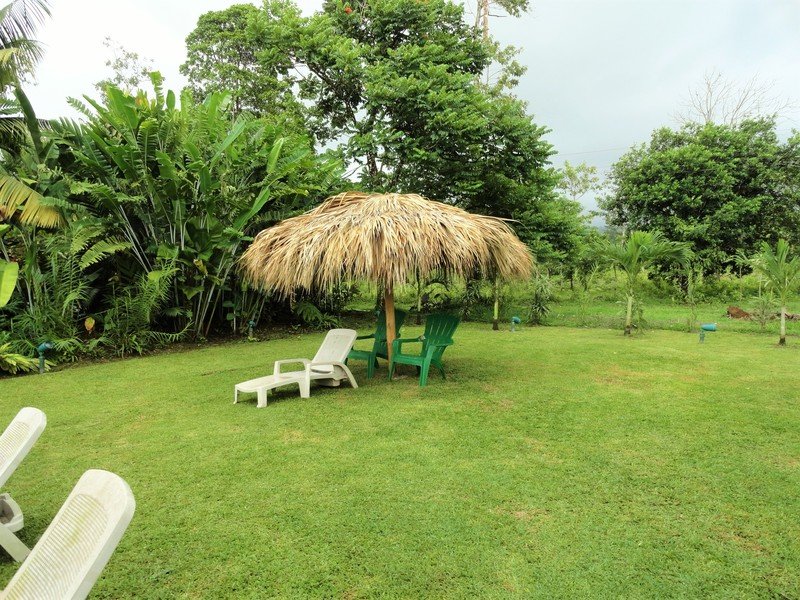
[158, 187]
[637, 253]
[184, 184]
[781, 274]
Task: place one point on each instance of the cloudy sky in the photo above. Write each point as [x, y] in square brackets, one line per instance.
[602, 74]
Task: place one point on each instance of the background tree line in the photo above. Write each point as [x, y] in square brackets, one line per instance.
[124, 226]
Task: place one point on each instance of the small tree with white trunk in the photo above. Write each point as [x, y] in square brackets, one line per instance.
[780, 273]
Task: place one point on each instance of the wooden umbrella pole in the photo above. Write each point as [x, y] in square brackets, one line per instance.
[388, 308]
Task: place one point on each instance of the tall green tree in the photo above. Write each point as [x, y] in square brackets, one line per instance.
[720, 188]
[781, 274]
[395, 86]
[396, 80]
[236, 51]
[634, 255]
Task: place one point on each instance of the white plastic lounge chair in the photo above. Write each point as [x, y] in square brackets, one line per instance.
[15, 443]
[71, 554]
[326, 368]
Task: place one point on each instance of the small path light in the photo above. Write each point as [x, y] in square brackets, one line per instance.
[706, 327]
[41, 349]
[250, 326]
[514, 322]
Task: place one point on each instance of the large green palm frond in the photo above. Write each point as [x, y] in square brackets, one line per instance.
[642, 249]
[19, 20]
[34, 209]
[13, 130]
[779, 271]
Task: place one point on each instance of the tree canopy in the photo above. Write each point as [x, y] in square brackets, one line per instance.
[394, 86]
[721, 188]
[231, 51]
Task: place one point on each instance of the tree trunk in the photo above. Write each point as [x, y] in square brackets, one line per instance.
[629, 316]
[483, 12]
[419, 302]
[782, 341]
[496, 315]
[388, 307]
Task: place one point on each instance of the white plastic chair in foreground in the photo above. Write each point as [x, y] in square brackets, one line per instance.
[15, 443]
[326, 368]
[69, 557]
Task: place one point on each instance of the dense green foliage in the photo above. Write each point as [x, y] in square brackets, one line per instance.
[723, 189]
[181, 186]
[125, 227]
[144, 191]
[653, 466]
[397, 86]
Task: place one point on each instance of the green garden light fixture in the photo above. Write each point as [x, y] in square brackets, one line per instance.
[41, 349]
[706, 327]
[514, 322]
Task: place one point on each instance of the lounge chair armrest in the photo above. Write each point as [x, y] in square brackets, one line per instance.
[433, 346]
[397, 344]
[336, 363]
[277, 369]
[327, 363]
[366, 337]
[441, 344]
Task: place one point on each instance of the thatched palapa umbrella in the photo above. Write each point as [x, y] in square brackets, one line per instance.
[391, 239]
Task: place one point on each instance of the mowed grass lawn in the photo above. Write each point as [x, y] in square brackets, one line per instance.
[552, 463]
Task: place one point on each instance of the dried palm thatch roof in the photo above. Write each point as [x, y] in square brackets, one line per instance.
[387, 238]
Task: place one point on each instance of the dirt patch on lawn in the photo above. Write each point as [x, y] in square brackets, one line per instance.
[525, 514]
[616, 376]
[296, 436]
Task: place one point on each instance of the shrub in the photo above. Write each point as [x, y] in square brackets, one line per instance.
[541, 295]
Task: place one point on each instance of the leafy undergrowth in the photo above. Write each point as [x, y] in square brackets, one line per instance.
[552, 462]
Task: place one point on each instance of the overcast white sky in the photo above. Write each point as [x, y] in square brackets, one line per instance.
[602, 74]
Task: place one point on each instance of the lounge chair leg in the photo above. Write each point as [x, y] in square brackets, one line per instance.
[423, 375]
[439, 366]
[12, 545]
[262, 398]
[305, 389]
[371, 364]
[350, 377]
[235, 395]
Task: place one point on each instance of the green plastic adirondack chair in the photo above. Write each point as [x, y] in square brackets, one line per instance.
[439, 330]
[379, 345]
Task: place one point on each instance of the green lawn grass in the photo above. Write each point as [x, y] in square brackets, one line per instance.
[552, 462]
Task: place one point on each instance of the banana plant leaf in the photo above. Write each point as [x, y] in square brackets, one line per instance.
[8, 280]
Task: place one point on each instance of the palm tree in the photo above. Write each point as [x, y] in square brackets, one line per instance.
[20, 129]
[780, 273]
[19, 51]
[635, 255]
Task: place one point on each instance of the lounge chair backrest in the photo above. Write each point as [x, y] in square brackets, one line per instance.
[72, 552]
[335, 346]
[439, 329]
[18, 438]
[380, 328]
